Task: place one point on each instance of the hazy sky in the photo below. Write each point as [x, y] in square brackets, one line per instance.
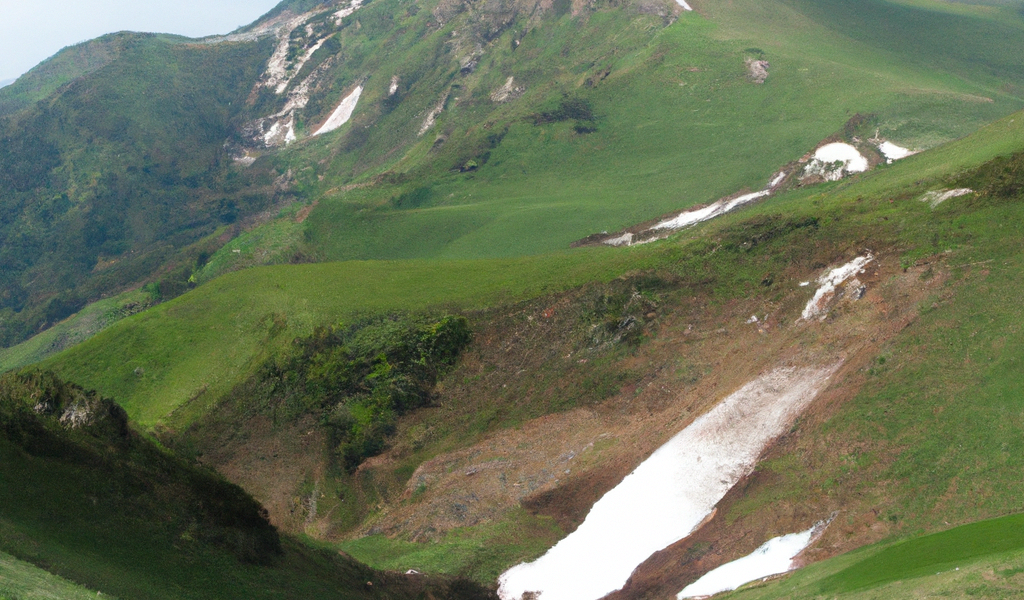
[32, 30]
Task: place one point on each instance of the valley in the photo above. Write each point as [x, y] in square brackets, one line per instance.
[519, 299]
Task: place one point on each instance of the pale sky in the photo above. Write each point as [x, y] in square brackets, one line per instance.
[33, 30]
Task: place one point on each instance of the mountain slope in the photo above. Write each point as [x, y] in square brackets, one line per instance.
[94, 502]
[523, 386]
[443, 155]
[469, 144]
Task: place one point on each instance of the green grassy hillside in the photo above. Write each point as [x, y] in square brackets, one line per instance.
[193, 349]
[94, 502]
[980, 560]
[173, 363]
[671, 119]
[65, 66]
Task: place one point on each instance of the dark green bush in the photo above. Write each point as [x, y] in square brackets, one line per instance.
[358, 379]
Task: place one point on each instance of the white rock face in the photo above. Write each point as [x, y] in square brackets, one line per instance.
[826, 158]
[671, 493]
[342, 113]
[828, 283]
[774, 557]
[341, 14]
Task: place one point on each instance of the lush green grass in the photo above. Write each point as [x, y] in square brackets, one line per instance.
[931, 553]
[679, 124]
[480, 553]
[106, 182]
[144, 173]
[184, 354]
[976, 560]
[20, 580]
[84, 324]
[188, 352]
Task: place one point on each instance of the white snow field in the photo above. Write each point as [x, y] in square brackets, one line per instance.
[671, 493]
[343, 113]
[773, 557]
[893, 152]
[684, 5]
[850, 159]
[827, 284]
[710, 211]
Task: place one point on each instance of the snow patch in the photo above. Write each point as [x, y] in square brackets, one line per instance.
[625, 239]
[892, 152]
[272, 133]
[342, 113]
[710, 211]
[684, 5]
[394, 85]
[828, 283]
[834, 161]
[774, 557]
[671, 493]
[432, 116]
[937, 197]
[777, 180]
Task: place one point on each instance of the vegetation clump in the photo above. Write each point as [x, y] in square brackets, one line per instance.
[358, 379]
[571, 108]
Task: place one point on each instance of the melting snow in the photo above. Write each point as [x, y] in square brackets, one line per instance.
[625, 239]
[684, 5]
[939, 196]
[828, 283]
[343, 113]
[777, 180]
[671, 493]
[394, 85]
[893, 152]
[710, 211]
[774, 557]
[830, 154]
